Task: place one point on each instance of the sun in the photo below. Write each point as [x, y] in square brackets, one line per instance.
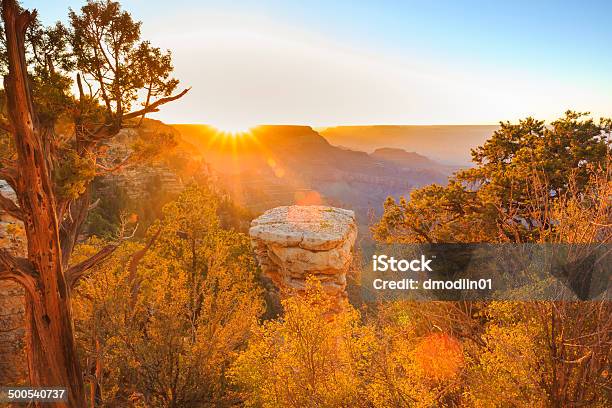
[233, 128]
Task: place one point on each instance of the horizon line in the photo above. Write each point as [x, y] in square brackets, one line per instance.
[333, 126]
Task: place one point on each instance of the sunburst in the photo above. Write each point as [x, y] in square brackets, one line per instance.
[233, 129]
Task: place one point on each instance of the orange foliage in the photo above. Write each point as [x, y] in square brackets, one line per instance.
[439, 356]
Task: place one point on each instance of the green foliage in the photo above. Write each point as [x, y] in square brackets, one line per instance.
[107, 48]
[179, 327]
[519, 173]
[510, 369]
[154, 68]
[531, 183]
[112, 201]
[566, 149]
[412, 354]
[102, 47]
[311, 357]
[72, 176]
[51, 61]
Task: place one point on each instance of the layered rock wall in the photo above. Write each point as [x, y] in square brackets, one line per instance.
[13, 366]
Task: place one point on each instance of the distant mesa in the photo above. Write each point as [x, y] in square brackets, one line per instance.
[448, 144]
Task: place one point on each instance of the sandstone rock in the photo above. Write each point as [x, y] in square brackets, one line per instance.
[13, 365]
[294, 242]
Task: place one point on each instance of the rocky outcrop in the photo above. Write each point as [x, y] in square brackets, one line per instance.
[141, 180]
[13, 367]
[293, 243]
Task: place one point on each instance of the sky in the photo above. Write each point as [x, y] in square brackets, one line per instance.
[327, 63]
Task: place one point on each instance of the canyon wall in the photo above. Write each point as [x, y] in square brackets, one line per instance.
[13, 367]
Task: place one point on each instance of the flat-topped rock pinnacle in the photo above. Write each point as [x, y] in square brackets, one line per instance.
[294, 242]
[313, 227]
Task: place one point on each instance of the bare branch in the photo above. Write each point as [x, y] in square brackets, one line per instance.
[109, 129]
[80, 86]
[94, 205]
[121, 165]
[9, 207]
[6, 125]
[132, 234]
[8, 172]
[19, 270]
[72, 214]
[154, 106]
[133, 267]
[75, 272]
[138, 255]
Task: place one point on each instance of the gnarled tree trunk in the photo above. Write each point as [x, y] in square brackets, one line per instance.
[52, 225]
[52, 355]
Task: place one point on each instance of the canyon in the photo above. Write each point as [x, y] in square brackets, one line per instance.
[276, 165]
[305, 187]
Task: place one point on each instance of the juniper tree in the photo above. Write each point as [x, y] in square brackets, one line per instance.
[53, 149]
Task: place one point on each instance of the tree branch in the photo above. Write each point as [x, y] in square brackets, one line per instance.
[24, 19]
[121, 165]
[154, 106]
[94, 205]
[75, 272]
[8, 172]
[10, 207]
[133, 267]
[109, 129]
[138, 255]
[73, 218]
[19, 270]
[6, 125]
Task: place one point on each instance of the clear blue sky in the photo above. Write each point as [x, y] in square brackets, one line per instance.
[328, 62]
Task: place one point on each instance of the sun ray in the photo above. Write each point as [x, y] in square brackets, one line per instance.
[234, 129]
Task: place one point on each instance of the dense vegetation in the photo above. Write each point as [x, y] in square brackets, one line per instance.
[161, 321]
[525, 176]
[529, 354]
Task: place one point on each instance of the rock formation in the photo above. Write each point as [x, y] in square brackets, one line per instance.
[294, 242]
[13, 367]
